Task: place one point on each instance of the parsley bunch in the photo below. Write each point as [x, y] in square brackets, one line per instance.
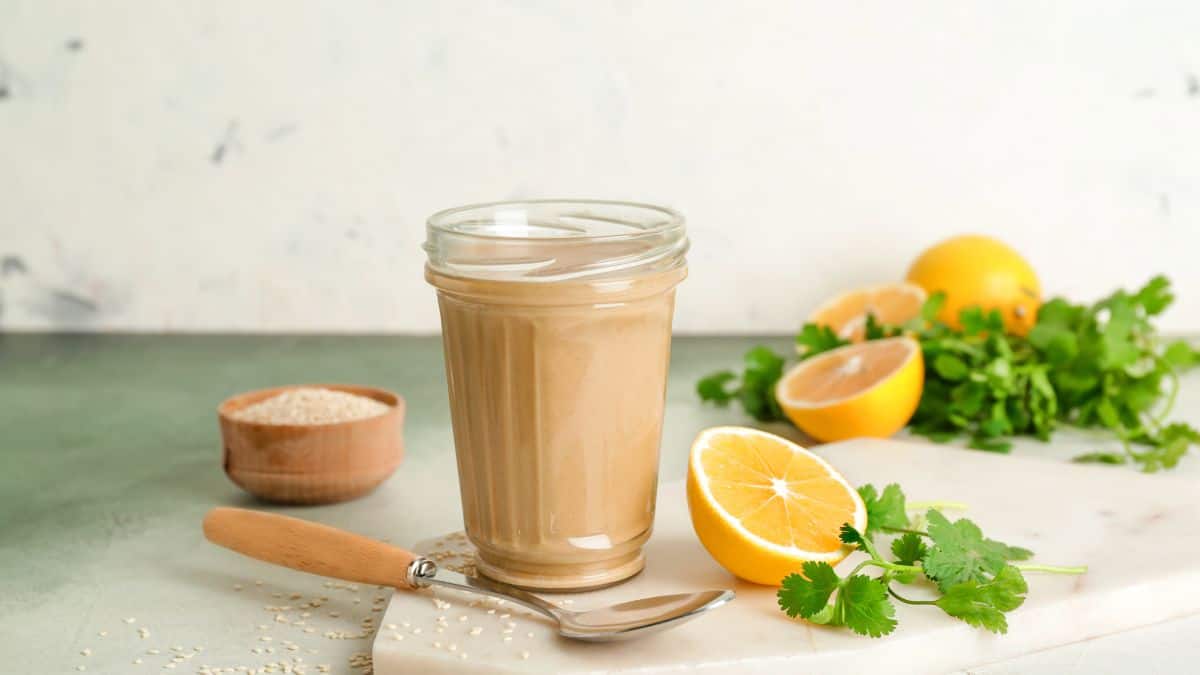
[978, 580]
[1099, 366]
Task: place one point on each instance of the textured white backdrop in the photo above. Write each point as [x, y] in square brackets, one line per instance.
[267, 166]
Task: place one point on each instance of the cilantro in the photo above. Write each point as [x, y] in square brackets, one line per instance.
[806, 595]
[886, 511]
[977, 578]
[909, 549]
[1099, 366]
[861, 603]
[755, 390]
[960, 553]
[814, 339]
[983, 604]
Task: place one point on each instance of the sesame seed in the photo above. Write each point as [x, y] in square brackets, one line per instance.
[153, 651]
[258, 582]
[437, 645]
[130, 620]
[102, 633]
[390, 626]
[476, 630]
[453, 647]
[416, 631]
[238, 587]
[529, 634]
[508, 638]
[80, 667]
[463, 617]
[491, 611]
[137, 661]
[265, 638]
[86, 651]
[397, 636]
[524, 655]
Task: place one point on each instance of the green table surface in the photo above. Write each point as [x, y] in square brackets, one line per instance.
[109, 457]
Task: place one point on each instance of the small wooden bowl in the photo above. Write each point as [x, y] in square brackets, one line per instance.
[312, 463]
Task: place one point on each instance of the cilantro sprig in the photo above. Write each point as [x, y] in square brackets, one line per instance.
[1096, 366]
[979, 580]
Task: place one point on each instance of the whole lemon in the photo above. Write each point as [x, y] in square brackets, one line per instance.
[974, 270]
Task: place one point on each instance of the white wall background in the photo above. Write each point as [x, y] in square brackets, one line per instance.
[267, 166]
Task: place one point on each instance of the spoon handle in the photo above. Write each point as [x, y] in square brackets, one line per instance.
[309, 547]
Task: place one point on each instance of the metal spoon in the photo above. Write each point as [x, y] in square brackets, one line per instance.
[327, 551]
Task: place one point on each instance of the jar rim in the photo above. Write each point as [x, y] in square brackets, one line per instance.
[444, 221]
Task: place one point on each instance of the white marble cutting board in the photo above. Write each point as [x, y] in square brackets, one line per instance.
[1139, 534]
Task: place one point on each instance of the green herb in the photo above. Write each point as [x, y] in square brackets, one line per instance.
[978, 578]
[754, 390]
[1099, 366]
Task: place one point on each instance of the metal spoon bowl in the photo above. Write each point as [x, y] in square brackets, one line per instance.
[622, 621]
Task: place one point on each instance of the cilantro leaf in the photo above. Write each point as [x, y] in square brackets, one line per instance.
[849, 535]
[1181, 355]
[1168, 447]
[960, 552]
[1155, 296]
[909, 549]
[715, 387]
[884, 511]
[807, 595]
[983, 604]
[1100, 458]
[862, 605]
[814, 339]
[754, 390]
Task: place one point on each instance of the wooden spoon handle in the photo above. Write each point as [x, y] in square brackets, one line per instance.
[308, 547]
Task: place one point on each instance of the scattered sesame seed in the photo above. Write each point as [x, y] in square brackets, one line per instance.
[335, 614]
[238, 587]
[476, 630]
[310, 630]
[568, 601]
[80, 667]
[265, 638]
[258, 582]
[508, 638]
[153, 651]
[437, 645]
[524, 655]
[130, 620]
[529, 634]
[463, 617]
[137, 661]
[416, 631]
[453, 647]
[102, 633]
[86, 651]
[463, 656]
[439, 630]
[491, 611]
[390, 626]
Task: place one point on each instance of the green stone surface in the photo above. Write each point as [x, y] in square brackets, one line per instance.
[109, 457]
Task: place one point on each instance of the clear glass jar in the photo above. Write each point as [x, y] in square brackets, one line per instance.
[556, 323]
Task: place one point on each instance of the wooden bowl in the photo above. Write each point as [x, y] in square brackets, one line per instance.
[312, 463]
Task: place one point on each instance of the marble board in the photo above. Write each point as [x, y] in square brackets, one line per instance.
[1139, 534]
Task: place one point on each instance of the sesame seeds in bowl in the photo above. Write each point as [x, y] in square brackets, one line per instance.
[311, 444]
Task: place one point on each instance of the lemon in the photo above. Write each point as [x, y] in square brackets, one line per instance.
[892, 304]
[974, 270]
[864, 389]
[762, 505]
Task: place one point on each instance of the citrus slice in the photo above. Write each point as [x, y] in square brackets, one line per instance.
[763, 505]
[865, 389]
[890, 303]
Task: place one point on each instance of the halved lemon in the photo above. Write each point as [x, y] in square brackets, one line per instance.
[763, 505]
[890, 303]
[865, 389]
